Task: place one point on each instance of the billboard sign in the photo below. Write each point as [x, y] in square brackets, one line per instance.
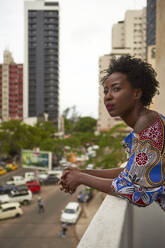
[41, 160]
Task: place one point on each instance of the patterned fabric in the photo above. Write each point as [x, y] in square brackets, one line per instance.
[142, 181]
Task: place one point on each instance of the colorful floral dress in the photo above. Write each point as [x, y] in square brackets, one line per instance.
[143, 179]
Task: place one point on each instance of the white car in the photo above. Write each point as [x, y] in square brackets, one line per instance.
[71, 213]
[42, 176]
[23, 196]
[30, 176]
[16, 180]
[57, 173]
[90, 167]
[9, 210]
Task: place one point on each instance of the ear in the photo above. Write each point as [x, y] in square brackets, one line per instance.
[137, 94]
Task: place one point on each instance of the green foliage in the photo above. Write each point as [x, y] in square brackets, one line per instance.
[70, 116]
[85, 124]
[117, 127]
[15, 135]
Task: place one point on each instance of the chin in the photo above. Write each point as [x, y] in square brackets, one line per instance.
[113, 114]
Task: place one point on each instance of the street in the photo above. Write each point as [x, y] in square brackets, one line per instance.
[34, 230]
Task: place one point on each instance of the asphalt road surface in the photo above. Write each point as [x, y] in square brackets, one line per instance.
[34, 230]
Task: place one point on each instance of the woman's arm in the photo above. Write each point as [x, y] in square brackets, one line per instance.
[75, 178]
[104, 173]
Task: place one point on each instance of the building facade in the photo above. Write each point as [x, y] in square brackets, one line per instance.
[130, 34]
[11, 89]
[41, 59]
[151, 22]
[159, 100]
[151, 32]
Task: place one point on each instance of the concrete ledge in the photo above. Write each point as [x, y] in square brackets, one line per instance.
[106, 228]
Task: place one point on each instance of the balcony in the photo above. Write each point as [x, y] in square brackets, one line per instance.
[118, 224]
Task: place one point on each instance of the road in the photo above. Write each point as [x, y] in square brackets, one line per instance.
[33, 230]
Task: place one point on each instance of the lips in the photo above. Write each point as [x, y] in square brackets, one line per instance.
[109, 106]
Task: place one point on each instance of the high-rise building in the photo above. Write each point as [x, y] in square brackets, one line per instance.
[41, 59]
[160, 55]
[130, 34]
[151, 32]
[151, 22]
[11, 89]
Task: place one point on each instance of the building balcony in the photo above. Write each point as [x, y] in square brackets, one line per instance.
[119, 224]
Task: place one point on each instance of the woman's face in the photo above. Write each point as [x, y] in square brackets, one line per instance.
[120, 97]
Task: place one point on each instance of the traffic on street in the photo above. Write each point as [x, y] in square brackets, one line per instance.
[22, 223]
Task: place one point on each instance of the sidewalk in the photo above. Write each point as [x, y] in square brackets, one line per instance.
[88, 212]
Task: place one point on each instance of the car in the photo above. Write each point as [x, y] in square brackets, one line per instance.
[85, 195]
[9, 210]
[22, 196]
[58, 173]
[42, 176]
[71, 213]
[17, 180]
[11, 167]
[51, 179]
[2, 170]
[90, 167]
[30, 176]
[6, 189]
[34, 186]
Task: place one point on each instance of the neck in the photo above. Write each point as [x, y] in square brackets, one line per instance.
[131, 118]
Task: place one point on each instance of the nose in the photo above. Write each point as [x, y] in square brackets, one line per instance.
[108, 95]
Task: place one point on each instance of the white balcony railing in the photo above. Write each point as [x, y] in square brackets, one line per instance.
[118, 224]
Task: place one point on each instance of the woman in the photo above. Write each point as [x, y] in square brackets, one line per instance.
[129, 86]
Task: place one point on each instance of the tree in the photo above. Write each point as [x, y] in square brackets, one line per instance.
[13, 135]
[71, 116]
[85, 124]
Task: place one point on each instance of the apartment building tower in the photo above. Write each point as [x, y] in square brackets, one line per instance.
[11, 89]
[159, 101]
[130, 34]
[151, 22]
[41, 59]
[151, 32]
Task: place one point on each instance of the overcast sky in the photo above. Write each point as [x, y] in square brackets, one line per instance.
[85, 34]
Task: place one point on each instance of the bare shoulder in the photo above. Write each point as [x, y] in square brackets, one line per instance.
[145, 121]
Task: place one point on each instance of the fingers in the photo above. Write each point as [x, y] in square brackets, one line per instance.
[64, 174]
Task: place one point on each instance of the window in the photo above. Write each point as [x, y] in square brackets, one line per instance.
[8, 209]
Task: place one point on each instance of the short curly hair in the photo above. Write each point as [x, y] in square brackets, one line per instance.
[139, 73]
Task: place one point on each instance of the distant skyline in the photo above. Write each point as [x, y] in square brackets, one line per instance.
[85, 34]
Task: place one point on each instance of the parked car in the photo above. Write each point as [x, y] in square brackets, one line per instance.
[85, 195]
[2, 170]
[57, 173]
[90, 166]
[9, 210]
[71, 213]
[29, 176]
[6, 189]
[42, 176]
[16, 180]
[23, 196]
[51, 179]
[11, 167]
[34, 186]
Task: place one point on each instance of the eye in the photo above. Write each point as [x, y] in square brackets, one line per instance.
[116, 89]
[105, 91]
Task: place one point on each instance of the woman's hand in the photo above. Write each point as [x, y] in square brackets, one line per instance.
[70, 179]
